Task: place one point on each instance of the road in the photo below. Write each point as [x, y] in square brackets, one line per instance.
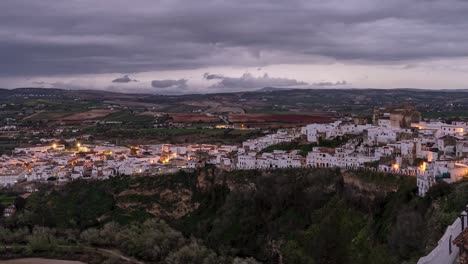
[33, 115]
[112, 252]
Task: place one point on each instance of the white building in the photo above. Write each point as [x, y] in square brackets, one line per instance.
[380, 135]
[461, 148]
[11, 175]
[315, 131]
[279, 159]
[448, 171]
[282, 136]
[247, 161]
[329, 158]
[332, 130]
[276, 160]
[440, 129]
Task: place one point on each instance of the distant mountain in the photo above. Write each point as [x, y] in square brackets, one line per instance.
[274, 92]
[65, 93]
[5, 92]
[273, 89]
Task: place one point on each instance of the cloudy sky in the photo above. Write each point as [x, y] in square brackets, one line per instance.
[187, 46]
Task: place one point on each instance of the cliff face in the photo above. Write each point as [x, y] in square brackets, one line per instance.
[177, 200]
[278, 216]
[365, 194]
[352, 180]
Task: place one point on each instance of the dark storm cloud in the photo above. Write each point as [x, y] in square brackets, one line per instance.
[248, 81]
[67, 37]
[124, 79]
[164, 84]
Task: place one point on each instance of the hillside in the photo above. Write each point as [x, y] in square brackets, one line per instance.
[284, 216]
[432, 103]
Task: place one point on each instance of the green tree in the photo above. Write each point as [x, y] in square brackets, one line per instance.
[42, 239]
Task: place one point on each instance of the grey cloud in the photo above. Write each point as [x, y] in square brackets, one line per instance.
[173, 84]
[124, 79]
[50, 37]
[57, 84]
[248, 81]
[209, 76]
[74, 85]
[40, 83]
[331, 83]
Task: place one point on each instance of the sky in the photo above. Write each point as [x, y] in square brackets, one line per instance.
[187, 46]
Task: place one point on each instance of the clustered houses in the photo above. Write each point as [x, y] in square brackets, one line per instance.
[444, 147]
[276, 160]
[8, 128]
[282, 136]
[375, 142]
[250, 156]
[10, 174]
[56, 163]
[332, 130]
[430, 150]
[329, 157]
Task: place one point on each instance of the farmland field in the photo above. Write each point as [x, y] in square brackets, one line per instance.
[193, 118]
[287, 118]
[126, 116]
[132, 103]
[185, 118]
[173, 135]
[91, 114]
[50, 115]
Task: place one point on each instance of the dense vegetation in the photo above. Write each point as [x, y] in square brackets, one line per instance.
[151, 241]
[210, 216]
[174, 135]
[304, 149]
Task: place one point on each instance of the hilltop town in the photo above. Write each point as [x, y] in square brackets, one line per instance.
[397, 142]
[72, 161]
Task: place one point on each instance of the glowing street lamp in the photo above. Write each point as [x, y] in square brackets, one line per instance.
[423, 166]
